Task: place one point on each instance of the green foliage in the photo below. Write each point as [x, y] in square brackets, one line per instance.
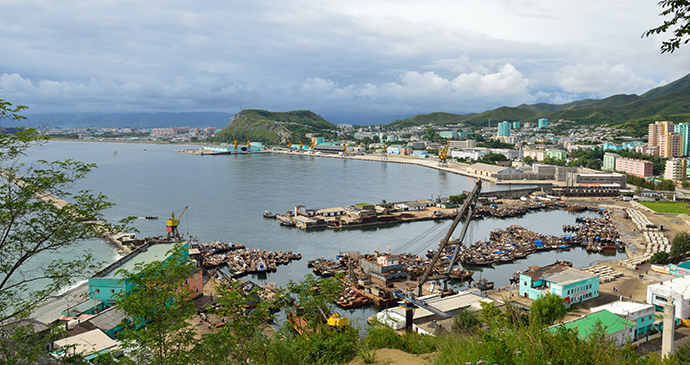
[273, 127]
[490, 314]
[324, 346]
[547, 309]
[381, 336]
[553, 161]
[528, 160]
[680, 245]
[534, 346]
[34, 229]
[493, 157]
[159, 301]
[458, 199]
[366, 355]
[431, 118]
[660, 257]
[466, 321]
[679, 22]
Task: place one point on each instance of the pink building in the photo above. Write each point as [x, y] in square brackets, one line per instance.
[635, 167]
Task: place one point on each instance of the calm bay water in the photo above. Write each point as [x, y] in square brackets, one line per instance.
[227, 195]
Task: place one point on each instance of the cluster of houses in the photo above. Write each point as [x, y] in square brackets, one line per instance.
[625, 321]
[94, 324]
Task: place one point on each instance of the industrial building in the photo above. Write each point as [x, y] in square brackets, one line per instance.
[573, 285]
[677, 290]
[641, 314]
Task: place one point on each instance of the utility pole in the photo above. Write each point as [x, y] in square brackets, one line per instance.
[668, 336]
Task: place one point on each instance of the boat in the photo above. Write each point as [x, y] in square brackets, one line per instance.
[268, 214]
[484, 284]
[151, 217]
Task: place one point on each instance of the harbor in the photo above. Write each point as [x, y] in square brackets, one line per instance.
[222, 211]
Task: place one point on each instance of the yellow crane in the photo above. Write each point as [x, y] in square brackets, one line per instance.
[301, 144]
[312, 144]
[234, 140]
[171, 225]
[384, 152]
[443, 154]
[248, 143]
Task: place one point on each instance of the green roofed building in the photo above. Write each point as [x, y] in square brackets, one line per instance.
[618, 329]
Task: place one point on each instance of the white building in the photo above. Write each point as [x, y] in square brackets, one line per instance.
[677, 289]
[428, 323]
[640, 313]
[469, 154]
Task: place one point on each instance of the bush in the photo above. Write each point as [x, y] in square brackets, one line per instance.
[381, 336]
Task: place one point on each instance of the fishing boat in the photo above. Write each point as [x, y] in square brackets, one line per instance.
[268, 214]
[484, 284]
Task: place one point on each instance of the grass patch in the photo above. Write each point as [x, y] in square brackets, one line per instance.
[668, 207]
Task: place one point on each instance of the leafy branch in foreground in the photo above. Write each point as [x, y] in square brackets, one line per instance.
[680, 12]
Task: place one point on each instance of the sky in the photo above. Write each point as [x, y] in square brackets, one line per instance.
[348, 61]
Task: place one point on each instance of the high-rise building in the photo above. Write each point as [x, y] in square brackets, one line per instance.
[516, 125]
[670, 145]
[504, 129]
[610, 161]
[684, 130]
[676, 169]
[543, 123]
[656, 131]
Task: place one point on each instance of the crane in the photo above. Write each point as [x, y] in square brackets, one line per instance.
[384, 152]
[248, 143]
[301, 144]
[443, 154]
[234, 141]
[171, 225]
[410, 302]
[465, 211]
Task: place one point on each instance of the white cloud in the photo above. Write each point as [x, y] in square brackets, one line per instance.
[602, 80]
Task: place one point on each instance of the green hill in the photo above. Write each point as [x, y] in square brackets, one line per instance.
[273, 127]
[669, 102]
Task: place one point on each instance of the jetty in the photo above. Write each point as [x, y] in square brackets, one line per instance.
[117, 239]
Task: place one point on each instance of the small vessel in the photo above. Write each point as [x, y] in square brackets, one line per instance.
[268, 214]
[484, 284]
[151, 217]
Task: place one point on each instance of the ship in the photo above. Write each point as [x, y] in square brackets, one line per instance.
[484, 284]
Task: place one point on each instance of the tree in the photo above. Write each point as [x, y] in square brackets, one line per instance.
[158, 300]
[680, 11]
[680, 245]
[465, 321]
[547, 309]
[33, 229]
[528, 160]
[660, 257]
[685, 184]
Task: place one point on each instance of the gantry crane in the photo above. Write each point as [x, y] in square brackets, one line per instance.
[465, 211]
[171, 225]
[443, 154]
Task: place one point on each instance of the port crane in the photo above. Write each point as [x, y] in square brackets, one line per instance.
[443, 155]
[464, 212]
[171, 225]
[410, 302]
[384, 152]
[234, 141]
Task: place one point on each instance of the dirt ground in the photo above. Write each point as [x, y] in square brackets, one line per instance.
[396, 357]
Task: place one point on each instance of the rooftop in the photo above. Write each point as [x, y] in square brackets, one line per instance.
[622, 308]
[569, 276]
[88, 342]
[586, 324]
[154, 252]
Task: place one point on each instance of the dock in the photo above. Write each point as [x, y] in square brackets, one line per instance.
[115, 238]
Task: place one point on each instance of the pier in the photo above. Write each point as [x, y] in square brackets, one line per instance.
[115, 238]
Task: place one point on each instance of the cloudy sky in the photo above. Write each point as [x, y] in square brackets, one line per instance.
[345, 60]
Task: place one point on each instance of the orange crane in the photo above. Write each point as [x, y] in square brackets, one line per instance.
[384, 152]
[234, 140]
[171, 225]
[248, 143]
